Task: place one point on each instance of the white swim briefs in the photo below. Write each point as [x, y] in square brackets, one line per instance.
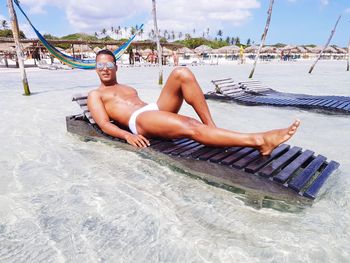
[132, 120]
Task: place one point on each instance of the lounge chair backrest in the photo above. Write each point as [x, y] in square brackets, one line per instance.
[81, 99]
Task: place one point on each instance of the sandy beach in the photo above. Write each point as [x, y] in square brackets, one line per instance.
[64, 199]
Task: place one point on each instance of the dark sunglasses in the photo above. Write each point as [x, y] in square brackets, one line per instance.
[102, 65]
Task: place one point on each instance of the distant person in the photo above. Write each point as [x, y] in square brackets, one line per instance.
[175, 58]
[152, 57]
[121, 103]
[137, 56]
[131, 56]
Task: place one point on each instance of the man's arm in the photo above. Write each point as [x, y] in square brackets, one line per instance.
[101, 117]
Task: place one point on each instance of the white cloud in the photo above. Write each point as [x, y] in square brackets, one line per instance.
[180, 15]
[324, 2]
[347, 10]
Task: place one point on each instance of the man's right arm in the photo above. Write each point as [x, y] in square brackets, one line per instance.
[100, 116]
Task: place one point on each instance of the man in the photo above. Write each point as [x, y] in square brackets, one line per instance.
[121, 103]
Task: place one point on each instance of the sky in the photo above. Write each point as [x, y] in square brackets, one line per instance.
[294, 22]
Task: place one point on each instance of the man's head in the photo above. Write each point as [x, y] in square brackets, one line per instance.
[106, 67]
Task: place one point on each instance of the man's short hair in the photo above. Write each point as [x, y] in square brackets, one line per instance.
[106, 52]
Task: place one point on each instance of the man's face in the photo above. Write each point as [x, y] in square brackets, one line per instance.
[107, 75]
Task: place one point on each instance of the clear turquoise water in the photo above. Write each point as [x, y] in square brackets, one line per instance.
[66, 200]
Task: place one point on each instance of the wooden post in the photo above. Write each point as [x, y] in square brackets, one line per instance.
[263, 37]
[347, 68]
[159, 51]
[15, 31]
[329, 40]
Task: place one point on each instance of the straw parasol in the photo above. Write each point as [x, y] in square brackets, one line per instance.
[269, 50]
[229, 49]
[185, 50]
[251, 49]
[203, 49]
[166, 51]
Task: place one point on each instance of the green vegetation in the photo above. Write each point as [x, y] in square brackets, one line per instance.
[196, 42]
[8, 33]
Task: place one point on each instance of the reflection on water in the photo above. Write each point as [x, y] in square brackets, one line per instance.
[66, 200]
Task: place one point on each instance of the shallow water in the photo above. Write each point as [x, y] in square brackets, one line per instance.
[66, 200]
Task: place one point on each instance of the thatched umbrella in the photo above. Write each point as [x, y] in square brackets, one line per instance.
[340, 50]
[269, 50]
[330, 50]
[146, 51]
[185, 50]
[166, 51]
[251, 49]
[203, 49]
[229, 49]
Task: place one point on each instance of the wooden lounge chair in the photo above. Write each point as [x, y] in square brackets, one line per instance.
[289, 173]
[255, 93]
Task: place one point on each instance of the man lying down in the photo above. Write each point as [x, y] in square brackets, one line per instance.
[121, 103]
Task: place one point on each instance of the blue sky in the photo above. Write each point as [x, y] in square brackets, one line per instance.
[293, 21]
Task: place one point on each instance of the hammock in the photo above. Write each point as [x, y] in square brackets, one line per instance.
[69, 60]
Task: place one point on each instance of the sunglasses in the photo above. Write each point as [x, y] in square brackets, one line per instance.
[102, 65]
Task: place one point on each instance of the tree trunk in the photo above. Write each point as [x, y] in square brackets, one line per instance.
[15, 31]
[329, 40]
[347, 68]
[159, 50]
[263, 37]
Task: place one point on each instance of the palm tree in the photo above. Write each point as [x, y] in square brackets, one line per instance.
[238, 41]
[180, 34]
[141, 32]
[220, 34]
[194, 31]
[208, 32]
[248, 42]
[103, 31]
[4, 24]
[132, 30]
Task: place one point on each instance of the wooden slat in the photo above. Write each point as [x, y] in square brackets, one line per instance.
[201, 151]
[237, 155]
[192, 150]
[82, 102]
[316, 185]
[246, 160]
[223, 155]
[277, 164]
[167, 144]
[263, 160]
[79, 97]
[186, 148]
[298, 182]
[177, 146]
[208, 155]
[344, 104]
[288, 171]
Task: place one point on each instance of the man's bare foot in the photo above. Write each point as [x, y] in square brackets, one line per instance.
[272, 139]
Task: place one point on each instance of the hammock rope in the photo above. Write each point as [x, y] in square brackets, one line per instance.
[72, 61]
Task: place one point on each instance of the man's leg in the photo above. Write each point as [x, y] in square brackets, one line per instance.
[171, 125]
[182, 85]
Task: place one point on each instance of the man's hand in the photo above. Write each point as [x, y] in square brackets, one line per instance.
[137, 140]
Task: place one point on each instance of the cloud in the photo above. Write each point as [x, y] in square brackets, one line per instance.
[347, 10]
[324, 2]
[180, 15]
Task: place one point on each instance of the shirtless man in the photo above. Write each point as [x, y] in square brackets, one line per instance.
[121, 103]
